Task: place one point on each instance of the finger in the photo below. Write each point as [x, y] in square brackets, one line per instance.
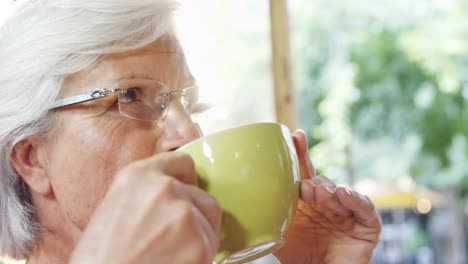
[361, 206]
[181, 166]
[302, 149]
[210, 237]
[308, 187]
[207, 206]
[324, 196]
[322, 180]
[175, 164]
[206, 211]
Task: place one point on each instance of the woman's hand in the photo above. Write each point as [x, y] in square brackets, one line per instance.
[153, 213]
[332, 224]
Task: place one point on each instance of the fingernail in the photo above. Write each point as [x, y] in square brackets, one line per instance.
[348, 192]
[310, 183]
[329, 190]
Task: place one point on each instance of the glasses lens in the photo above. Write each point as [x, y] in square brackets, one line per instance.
[142, 99]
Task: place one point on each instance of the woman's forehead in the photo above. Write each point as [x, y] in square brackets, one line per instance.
[162, 60]
[167, 43]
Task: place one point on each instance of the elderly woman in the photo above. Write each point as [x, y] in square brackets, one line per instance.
[94, 100]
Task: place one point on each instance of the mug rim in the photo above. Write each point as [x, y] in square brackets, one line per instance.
[282, 126]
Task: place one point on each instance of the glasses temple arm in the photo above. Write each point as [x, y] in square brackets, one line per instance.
[85, 97]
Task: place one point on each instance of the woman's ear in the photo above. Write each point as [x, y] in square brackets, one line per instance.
[29, 160]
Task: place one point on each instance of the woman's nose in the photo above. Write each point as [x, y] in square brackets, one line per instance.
[178, 128]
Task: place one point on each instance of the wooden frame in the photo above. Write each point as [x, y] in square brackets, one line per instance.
[285, 101]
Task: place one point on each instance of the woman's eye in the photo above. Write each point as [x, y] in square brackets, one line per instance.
[133, 95]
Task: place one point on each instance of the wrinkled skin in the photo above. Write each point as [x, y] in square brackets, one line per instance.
[108, 188]
[158, 216]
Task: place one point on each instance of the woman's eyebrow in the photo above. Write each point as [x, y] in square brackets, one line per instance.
[189, 82]
[134, 75]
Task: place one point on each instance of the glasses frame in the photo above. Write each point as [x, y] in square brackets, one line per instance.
[101, 93]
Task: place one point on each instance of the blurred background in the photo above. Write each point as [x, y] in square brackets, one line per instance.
[379, 86]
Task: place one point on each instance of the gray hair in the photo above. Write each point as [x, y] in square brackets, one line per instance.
[40, 44]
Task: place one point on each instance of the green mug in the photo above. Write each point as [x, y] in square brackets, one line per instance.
[253, 172]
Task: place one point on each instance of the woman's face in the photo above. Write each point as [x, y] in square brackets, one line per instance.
[93, 141]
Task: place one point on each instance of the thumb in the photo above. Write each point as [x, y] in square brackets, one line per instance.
[302, 149]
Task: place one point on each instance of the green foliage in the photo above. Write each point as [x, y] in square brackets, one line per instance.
[387, 82]
[410, 91]
[441, 122]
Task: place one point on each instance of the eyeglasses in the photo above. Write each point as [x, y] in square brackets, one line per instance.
[141, 99]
